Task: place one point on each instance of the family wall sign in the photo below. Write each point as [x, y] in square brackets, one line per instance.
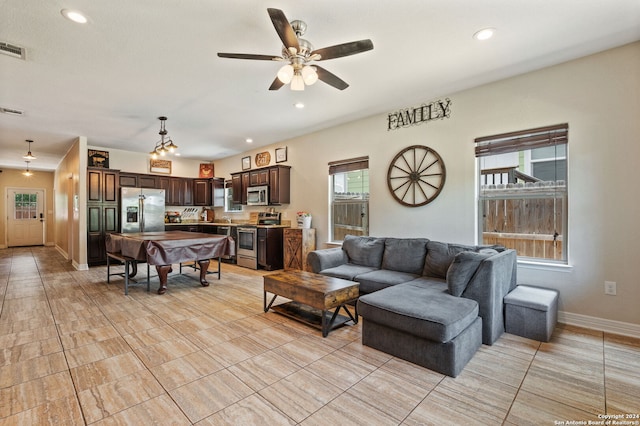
[437, 110]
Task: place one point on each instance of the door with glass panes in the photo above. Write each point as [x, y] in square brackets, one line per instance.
[25, 224]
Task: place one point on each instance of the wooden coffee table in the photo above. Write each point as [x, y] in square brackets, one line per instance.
[312, 297]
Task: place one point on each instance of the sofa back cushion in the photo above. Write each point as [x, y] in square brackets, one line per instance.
[365, 251]
[440, 256]
[404, 254]
[464, 266]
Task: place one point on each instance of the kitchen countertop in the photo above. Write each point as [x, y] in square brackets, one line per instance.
[228, 224]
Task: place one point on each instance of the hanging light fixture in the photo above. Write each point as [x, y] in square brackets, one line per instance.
[27, 172]
[29, 156]
[163, 146]
[298, 74]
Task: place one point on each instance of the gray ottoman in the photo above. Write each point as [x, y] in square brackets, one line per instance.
[531, 312]
[429, 328]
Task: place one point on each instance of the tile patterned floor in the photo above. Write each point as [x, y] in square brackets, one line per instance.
[74, 350]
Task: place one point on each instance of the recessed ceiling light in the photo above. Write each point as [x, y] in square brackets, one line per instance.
[484, 34]
[248, 140]
[299, 105]
[74, 15]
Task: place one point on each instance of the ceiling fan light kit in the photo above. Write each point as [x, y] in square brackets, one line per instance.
[298, 52]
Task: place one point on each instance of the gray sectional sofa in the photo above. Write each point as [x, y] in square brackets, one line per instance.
[428, 302]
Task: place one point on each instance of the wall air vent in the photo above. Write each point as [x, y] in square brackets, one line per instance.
[11, 111]
[12, 50]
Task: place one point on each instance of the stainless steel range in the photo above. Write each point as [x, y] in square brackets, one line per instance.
[247, 253]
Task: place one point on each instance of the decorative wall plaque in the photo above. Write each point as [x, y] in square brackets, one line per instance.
[263, 159]
[160, 166]
[98, 158]
[206, 171]
[281, 155]
[437, 110]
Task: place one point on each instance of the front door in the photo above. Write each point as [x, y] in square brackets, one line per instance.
[25, 221]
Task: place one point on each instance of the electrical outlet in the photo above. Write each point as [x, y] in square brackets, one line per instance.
[610, 288]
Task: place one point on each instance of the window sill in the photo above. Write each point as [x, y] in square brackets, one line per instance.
[542, 266]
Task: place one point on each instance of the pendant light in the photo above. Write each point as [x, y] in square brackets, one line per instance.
[27, 172]
[163, 147]
[29, 156]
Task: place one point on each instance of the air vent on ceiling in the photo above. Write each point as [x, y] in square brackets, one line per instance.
[12, 50]
[11, 111]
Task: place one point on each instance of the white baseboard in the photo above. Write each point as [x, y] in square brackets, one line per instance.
[594, 323]
[80, 266]
[62, 252]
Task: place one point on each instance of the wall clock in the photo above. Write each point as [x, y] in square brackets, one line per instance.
[416, 176]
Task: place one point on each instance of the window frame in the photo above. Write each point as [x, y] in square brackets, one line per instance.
[345, 167]
[525, 141]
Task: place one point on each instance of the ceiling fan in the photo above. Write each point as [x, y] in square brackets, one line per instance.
[298, 53]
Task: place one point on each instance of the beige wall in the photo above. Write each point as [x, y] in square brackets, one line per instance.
[138, 162]
[599, 96]
[69, 240]
[11, 178]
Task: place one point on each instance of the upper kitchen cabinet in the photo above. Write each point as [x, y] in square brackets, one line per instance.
[239, 185]
[278, 178]
[128, 180]
[202, 192]
[102, 185]
[279, 184]
[147, 181]
[259, 177]
[186, 185]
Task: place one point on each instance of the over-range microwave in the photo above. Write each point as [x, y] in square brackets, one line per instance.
[258, 195]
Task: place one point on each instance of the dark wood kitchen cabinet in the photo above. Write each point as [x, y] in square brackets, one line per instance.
[102, 212]
[128, 180]
[102, 185]
[239, 184]
[147, 181]
[279, 184]
[202, 192]
[174, 189]
[259, 177]
[278, 178]
[270, 248]
[186, 187]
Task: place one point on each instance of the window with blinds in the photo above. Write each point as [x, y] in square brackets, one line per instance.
[349, 203]
[523, 191]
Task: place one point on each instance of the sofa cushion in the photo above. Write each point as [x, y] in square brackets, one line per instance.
[365, 251]
[438, 317]
[440, 256]
[404, 254]
[461, 271]
[347, 271]
[382, 278]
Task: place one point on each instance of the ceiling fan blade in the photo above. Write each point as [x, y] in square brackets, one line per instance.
[330, 78]
[276, 84]
[283, 28]
[345, 49]
[249, 56]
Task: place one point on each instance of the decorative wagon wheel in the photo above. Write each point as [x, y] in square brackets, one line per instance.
[416, 176]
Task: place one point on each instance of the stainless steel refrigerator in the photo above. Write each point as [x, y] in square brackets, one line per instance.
[142, 209]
